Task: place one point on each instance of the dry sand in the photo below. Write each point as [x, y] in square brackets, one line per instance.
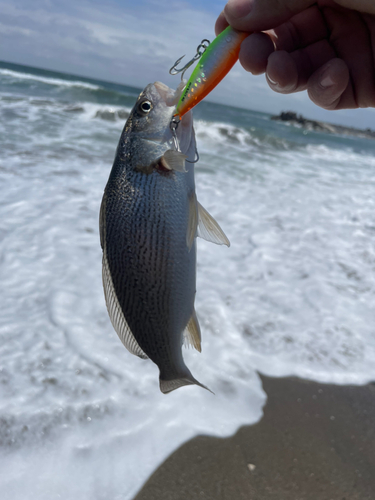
[314, 442]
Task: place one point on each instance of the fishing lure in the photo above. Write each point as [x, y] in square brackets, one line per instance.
[216, 60]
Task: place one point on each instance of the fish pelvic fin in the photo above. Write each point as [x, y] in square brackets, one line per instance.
[169, 385]
[192, 333]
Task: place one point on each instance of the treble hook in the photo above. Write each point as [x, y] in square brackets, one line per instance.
[200, 51]
[173, 126]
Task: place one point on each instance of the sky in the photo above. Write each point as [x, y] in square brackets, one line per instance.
[136, 42]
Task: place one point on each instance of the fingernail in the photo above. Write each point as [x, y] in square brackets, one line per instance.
[275, 85]
[238, 8]
[326, 80]
[272, 81]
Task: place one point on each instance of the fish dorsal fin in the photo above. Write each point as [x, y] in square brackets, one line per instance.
[116, 315]
[193, 220]
[192, 333]
[209, 229]
[174, 160]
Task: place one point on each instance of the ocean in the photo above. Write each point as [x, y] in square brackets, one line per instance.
[80, 417]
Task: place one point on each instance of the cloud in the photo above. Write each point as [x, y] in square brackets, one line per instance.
[128, 43]
[135, 43]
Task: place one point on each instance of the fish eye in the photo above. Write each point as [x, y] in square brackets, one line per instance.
[145, 107]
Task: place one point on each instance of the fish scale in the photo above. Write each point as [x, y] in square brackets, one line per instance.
[148, 238]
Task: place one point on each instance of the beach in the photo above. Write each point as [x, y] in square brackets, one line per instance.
[314, 442]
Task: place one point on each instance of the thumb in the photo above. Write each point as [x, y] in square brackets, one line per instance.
[261, 15]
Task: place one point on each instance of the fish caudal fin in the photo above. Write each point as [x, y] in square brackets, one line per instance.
[174, 383]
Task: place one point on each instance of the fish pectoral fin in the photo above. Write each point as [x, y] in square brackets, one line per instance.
[174, 160]
[116, 315]
[192, 333]
[209, 229]
[193, 220]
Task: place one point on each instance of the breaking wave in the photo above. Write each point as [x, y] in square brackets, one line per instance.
[47, 80]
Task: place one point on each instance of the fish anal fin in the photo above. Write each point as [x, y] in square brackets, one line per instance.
[174, 160]
[209, 229]
[192, 333]
[193, 220]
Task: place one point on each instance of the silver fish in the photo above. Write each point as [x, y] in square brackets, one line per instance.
[149, 220]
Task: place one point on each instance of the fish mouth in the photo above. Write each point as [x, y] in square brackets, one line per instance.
[167, 94]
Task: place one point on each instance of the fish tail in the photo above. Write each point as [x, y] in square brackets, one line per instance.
[169, 384]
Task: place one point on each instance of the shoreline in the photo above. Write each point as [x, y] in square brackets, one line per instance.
[314, 442]
[292, 118]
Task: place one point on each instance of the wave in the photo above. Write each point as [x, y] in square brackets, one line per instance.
[216, 135]
[29, 106]
[47, 80]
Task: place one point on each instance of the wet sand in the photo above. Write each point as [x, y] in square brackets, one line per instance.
[314, 442]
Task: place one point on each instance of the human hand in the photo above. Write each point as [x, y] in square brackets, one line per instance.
[326, 47]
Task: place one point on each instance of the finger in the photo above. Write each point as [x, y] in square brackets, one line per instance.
[221, 23]
[310, 59]
[254, 52]
[261, 15]
[353, 44]
[282, 74]
[290, 72]
[328, 86]
[301, 30]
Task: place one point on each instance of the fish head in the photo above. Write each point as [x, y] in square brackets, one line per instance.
[147, 134]
[151, 115]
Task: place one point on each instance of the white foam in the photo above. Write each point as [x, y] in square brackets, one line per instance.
[293, 295]
[49, 81]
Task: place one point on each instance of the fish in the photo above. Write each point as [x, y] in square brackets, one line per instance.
[149, 221]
